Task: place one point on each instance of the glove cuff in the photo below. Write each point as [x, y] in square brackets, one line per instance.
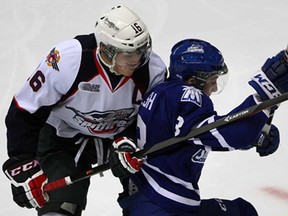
[263, 86]
[124, 144]
[12, 161]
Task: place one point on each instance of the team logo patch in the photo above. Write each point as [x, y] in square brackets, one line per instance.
[195, 49]
[200, 156]
[104, 122]
[190, 94]
[90, 87]
[53, 58]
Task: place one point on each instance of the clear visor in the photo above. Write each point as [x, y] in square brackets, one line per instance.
[221, 78]
[139, 51]
[221, 82]
[131, 59]
[125, 62]
[204, 75]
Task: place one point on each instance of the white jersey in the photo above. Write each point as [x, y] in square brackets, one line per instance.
[72, 91]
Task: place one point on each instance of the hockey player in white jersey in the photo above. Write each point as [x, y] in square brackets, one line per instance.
[167, 183]
[81, 97]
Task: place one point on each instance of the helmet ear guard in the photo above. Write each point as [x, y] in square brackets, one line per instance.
[197, 59]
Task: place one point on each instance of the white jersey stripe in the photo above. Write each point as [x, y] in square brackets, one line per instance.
[168, 194]
[174, 179]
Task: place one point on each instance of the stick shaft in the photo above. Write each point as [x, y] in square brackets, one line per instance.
[194, 132]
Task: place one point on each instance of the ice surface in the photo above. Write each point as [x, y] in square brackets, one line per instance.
[247, 32]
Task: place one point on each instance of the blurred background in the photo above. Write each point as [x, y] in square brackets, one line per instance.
[247, 32]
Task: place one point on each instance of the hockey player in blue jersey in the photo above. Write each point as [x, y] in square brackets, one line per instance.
[81, 97]
[167, 183]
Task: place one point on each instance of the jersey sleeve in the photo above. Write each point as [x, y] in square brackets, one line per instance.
[172, 110]
[157, 70]
[52, 78]
[237, 135]
[33, 103]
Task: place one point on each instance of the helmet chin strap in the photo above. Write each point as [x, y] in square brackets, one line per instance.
[106, 64]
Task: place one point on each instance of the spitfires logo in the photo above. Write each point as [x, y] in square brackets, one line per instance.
[104, 122]
[53, 58]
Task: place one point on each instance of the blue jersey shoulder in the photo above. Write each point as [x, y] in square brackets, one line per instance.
[171, 109]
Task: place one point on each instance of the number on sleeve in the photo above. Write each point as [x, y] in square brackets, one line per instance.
[178, 125]
[37, 80]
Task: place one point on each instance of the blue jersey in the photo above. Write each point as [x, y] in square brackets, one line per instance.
[170, 176]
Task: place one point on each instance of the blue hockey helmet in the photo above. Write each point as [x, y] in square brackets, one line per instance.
[196, 58]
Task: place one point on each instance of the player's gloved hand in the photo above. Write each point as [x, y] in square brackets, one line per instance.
[27, 181]
[122, 163]
[272, 81]
[268, 143]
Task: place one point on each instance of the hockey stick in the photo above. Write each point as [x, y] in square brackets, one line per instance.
[220, 122]
[68, 180]
[265, 130]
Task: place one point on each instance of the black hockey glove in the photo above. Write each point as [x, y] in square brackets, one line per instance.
[268, 143]
[122, 163]
[272, 81]
[27, 181]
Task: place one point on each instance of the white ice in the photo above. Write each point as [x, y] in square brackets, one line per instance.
[246, 31]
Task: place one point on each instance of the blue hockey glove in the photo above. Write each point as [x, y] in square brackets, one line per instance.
[27, 181]
[272, 81]
[268, 143]
[122, 163]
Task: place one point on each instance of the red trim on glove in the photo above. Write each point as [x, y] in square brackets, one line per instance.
[134, 162]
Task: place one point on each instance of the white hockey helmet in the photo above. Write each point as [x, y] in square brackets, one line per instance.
[121, 30]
